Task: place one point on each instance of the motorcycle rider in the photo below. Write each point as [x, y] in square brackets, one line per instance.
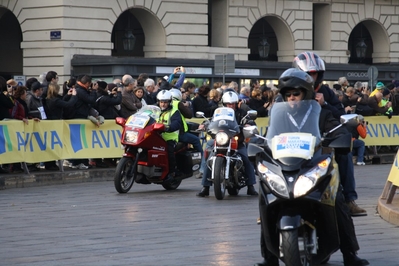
[171, 117]
[186, 112]
[296, 85]
[312, 64]
[230, 99]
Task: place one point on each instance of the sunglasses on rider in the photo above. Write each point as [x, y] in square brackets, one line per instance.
[295, 93]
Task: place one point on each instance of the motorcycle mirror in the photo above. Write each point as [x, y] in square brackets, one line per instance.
[199, 114]
[252, 114]
[350, 119]
[120, 121]
[250, 131]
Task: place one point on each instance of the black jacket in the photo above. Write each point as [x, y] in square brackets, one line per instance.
[56, 107]
[5, 105]
[105, 105]
[257, 105]
[201, 104]
[86, 100]
[333, 103]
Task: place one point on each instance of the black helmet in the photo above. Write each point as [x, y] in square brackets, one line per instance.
[310, 63]
[293, 78]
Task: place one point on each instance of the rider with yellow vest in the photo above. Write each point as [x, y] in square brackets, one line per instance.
[186, 113]
[171, 117]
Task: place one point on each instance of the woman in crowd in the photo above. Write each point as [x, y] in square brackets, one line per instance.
[214, 98]
[139, 92]
[200, 103]
[58, 105]
[257, 103]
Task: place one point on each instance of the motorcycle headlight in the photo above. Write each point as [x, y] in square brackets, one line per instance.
[275, 182]
[131, 136]
[221, 138]
[308, 180]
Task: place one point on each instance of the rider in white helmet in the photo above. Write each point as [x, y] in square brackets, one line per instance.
[230, 99]
[171, 117]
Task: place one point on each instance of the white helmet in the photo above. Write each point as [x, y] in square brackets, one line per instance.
[176, 94]
[164, 95]
[229, 97]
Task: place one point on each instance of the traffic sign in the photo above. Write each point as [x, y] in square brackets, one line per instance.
[20, 80]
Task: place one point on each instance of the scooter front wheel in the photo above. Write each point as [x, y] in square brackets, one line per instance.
[124, 175]
[290, 248]
[219, 183]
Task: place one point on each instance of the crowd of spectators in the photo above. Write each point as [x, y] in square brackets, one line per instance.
[96, 100]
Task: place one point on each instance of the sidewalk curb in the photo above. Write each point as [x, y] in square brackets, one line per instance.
[35, 179]
[389, 212]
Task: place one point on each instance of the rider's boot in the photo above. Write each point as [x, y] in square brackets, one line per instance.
[251, 191]
[204, 192]
[350, 259]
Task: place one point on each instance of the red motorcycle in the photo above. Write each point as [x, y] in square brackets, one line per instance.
[145, 159]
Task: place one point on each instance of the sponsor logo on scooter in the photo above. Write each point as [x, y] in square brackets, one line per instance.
[159, 148]
[154, 156]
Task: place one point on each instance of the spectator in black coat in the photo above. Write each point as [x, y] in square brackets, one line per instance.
[201, 104]
[257, 103]
[5, 101]
[106, 100]
[56, 104]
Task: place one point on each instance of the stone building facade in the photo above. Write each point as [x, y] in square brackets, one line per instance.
[47, 35]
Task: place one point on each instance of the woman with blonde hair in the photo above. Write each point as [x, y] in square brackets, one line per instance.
[58, 105]
[214, 97]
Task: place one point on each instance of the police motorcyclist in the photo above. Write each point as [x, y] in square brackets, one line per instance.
[186, 112]
[296, 85]
[312, 64]
[171, 117]
[230, 99]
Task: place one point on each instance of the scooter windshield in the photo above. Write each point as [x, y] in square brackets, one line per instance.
[143, 116]
[293, 130]
[223, 119]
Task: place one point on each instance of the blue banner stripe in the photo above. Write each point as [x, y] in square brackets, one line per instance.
[2, 141]
[76, 139]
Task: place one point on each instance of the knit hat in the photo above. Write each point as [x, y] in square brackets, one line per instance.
[111, 86]
[379, 86]
[385, 92]
[102, 84]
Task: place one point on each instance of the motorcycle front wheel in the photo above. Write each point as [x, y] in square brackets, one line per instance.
[290, 248]
[124, 175]
[219, 172]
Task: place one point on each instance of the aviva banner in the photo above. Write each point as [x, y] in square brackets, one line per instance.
[58, 139]
[74, 139]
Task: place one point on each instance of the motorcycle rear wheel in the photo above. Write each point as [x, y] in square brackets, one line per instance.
[292, 255]
[124, 175]
[219, 184]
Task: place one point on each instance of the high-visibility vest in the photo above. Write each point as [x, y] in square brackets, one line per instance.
[164, 118]
[176, 106]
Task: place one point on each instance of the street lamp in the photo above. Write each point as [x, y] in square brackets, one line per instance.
[361, 48]
[263, 48]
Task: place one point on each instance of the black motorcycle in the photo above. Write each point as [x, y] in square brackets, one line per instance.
[298, 183]
[224, 162]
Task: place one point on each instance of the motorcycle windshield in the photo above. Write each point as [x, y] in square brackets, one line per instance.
[143, 116]
[293, 130]
[223, 119]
